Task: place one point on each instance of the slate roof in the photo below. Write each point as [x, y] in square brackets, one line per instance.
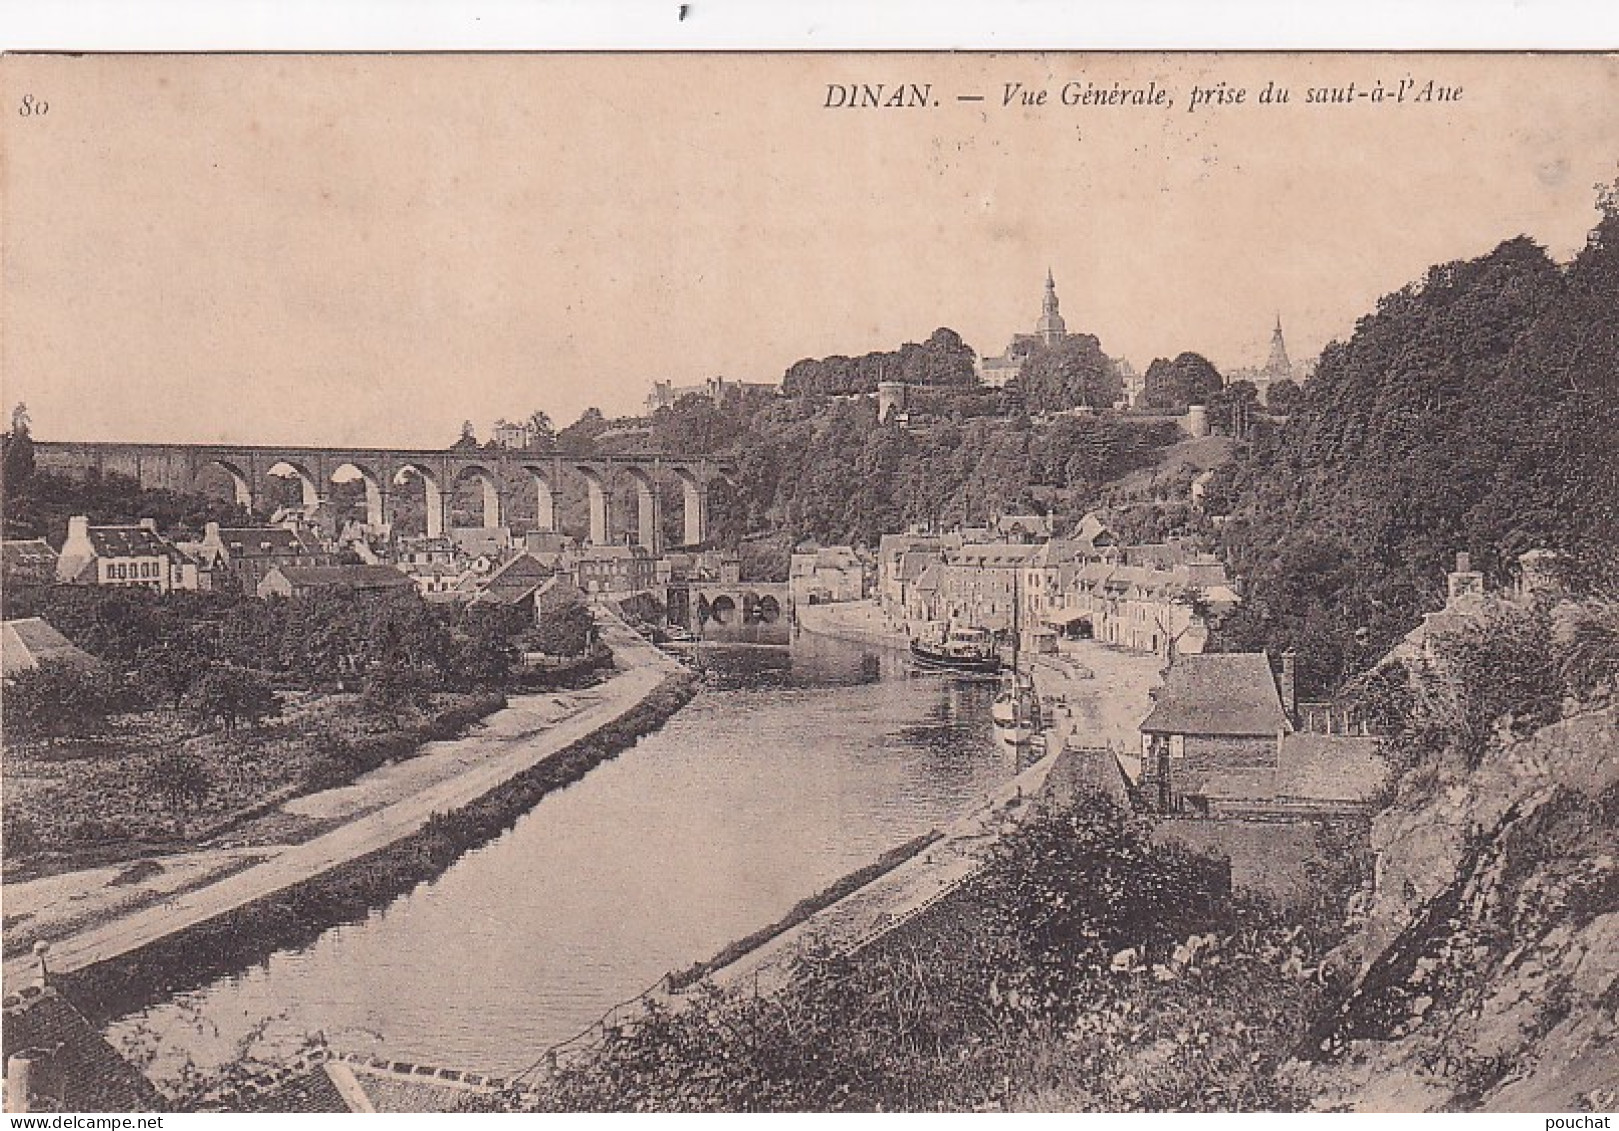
[28, 555]
[916, 563]
[993, 554]
[345, 577]
[1329, 767]
[309, 1092]
[515, 580]
[75, 1069]
[1219, 693]
[27, 643]
[612, 553]
[131, 542]
[253, 541]
[1037, 525]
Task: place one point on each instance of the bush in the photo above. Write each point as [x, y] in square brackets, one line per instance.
[57, 698]
[230, 696]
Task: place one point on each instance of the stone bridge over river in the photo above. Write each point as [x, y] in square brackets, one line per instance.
[499, 474]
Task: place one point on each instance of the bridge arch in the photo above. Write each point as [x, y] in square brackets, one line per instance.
[433, 492]
[241, 484]
[648, 509]
[490, 490]
[600, 504]
[376, 515]
[694, 504]
[307, 483]
[545, 493]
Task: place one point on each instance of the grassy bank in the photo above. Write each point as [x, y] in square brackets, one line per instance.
[150, 783]
[296, 915]
[804, 908]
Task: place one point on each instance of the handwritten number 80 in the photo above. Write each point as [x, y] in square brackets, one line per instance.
[32, 109]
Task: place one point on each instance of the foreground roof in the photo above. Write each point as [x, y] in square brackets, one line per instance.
[1219, 693]
[27, 643]
[74, 1068]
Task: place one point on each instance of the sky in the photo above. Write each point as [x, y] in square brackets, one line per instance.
[371, 249]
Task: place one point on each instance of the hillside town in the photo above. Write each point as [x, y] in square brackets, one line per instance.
[934, 727]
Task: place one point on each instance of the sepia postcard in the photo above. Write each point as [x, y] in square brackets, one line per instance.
[810, 582]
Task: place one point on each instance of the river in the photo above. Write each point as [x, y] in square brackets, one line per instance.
[790, 769]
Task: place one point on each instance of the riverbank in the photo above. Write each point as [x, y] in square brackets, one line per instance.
[385, 814]
[1079, 967]
[897, 895]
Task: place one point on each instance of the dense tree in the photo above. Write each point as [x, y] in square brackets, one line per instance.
[56, 698]
[180, 777]
[39, 505]
[1283, 397]
[1189, 379]
[565, 629]
[16, 452]
[944, 360]
[579, 438]
[1231, 409]
[1069, 373]
[543, 433]
[231, 696]
[1474, 411]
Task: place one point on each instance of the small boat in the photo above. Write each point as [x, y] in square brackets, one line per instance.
[1016, 710]
[968, 650]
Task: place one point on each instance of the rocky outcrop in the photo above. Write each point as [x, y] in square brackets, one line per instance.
[1487, 949]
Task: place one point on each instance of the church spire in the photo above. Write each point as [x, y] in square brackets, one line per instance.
[1051, 328]
[1278, 365]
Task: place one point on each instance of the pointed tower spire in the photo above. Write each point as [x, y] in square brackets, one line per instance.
[1278, 366]
[1051, 328]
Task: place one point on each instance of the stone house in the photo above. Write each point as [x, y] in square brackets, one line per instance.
[124, 556]
[517, 583]
[979, 583]
[615, 570]
[240, 556]
[57, 1061]
[1222, 740]
[832, 573]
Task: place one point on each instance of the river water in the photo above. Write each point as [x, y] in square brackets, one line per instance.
[790, 769]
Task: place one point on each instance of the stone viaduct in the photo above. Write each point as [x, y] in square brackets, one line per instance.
[497, 472]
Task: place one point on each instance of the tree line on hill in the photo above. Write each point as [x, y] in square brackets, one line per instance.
[1473, 410]
[943, 360]
[831, 472]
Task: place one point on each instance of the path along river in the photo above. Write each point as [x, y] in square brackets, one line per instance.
[789, 770]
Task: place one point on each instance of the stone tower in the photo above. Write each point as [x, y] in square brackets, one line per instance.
[1277, 366]
[1051, 327]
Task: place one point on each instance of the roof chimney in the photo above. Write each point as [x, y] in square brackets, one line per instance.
[1287, 686]
[1464, 562]
[149, 524]
[19, 1084]
[40, 949]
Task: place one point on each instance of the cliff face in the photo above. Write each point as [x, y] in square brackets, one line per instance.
[1488, 948]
